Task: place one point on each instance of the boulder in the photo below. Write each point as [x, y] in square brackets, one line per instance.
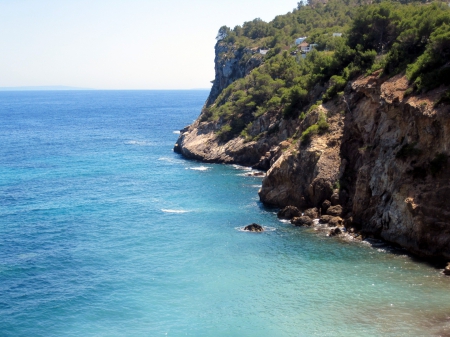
[447, 269]
[325, 205]
[289, 212]
[302, 221]
[335, 199]
[313, 213]
[254, 227]
[334, 231]
[334, 210]
[336, 222]
[348, 222]
[325, 218]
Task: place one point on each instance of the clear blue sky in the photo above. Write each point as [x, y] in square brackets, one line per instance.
[112, 44]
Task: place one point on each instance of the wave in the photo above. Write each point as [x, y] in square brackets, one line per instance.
[177, 132]
[199, 168]
[138, 143]
[240, 167]
[174, 210]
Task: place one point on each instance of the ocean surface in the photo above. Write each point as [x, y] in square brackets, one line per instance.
[105, 231]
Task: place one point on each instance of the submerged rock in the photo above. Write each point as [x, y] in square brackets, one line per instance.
[289, 212]
[254, 227]
[302, 221]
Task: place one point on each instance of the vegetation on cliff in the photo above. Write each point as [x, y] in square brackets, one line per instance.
[393, 37]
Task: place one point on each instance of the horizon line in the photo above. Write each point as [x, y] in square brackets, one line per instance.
[68, 88]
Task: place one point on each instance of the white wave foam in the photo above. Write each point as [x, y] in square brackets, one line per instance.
[177, 132]
[284, 220]
[240, 167]
[138, 143]
[199, 168]
[174, 210]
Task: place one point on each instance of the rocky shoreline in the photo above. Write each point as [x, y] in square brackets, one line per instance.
[382, 164]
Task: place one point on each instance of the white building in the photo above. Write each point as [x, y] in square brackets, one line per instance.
[300, 40]
[337, 34]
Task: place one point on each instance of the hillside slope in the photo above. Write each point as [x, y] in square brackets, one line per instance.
[352, 122]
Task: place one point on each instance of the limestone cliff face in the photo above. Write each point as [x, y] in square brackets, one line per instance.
[231, 63]
[396, 154]
[384, 157]
[389, 155]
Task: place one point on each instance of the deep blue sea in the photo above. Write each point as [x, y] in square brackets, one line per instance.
[105, 231]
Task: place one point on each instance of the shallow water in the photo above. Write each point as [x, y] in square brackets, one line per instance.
[104, 231]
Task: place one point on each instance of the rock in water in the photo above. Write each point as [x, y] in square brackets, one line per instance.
[254, 227]
[334, 231]
[302, 221]
[447, 269]
[289, 212]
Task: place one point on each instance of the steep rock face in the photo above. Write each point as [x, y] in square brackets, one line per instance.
[304, 175]
[231, 63]
[396, 150]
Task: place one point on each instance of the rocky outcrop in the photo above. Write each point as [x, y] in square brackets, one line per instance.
[231, 63]
[302, 221]
[289, 212]
[381, 168]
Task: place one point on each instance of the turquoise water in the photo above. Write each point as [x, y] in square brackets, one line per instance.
[104, 231]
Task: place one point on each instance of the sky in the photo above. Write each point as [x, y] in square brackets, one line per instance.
[118, 44]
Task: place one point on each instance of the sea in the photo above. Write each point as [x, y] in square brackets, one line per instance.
[105, 231]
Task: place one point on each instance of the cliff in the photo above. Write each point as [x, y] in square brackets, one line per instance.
[384, 153]
[378, 145]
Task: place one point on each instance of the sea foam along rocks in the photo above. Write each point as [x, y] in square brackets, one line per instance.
[289, 212]
[254, 227]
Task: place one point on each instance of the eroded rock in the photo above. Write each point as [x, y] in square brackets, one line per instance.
[302, 221]
[313, 213]
[334, 231]
[325, 218]
[335, 210]
[325, 205]
[254, 227]
[289, 212]
[336, 222]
